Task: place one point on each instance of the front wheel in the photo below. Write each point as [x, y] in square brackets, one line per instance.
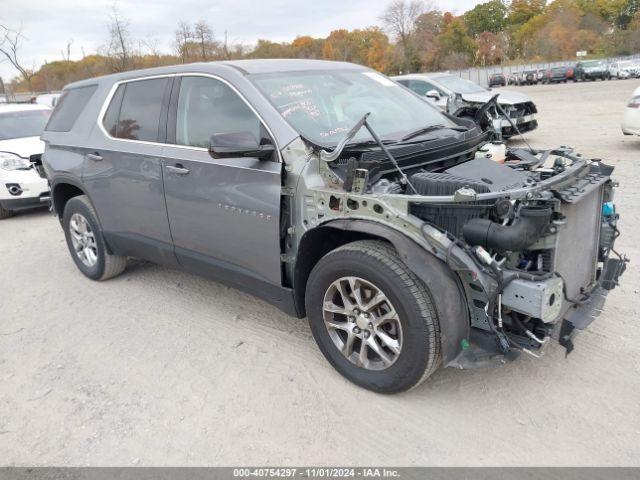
[372, 318]
[86, 243]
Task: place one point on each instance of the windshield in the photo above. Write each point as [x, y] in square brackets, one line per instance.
[593, 63]
[459, 85]
[323, 105]
[28, 123]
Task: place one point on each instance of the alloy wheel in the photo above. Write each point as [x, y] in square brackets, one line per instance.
[83, 240]
[362, 323]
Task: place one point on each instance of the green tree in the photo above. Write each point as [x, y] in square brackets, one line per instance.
[486, 17]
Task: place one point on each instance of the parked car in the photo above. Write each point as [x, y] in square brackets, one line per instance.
[556, 75]
[49, 99]
[631, 119]
[591, 70]
[497, 80]
[22, 183]
[623, 69]
[463, 98]
[333, 192]
[529, 77]
[513, 79]
[540, 75]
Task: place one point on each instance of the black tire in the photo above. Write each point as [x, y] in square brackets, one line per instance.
[4, 213]
[107, 265]
[378, 263]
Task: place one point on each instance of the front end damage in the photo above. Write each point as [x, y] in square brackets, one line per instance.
[514, 119]
[530, 240]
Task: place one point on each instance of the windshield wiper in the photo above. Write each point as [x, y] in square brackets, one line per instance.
[431, 128]
[365, 143]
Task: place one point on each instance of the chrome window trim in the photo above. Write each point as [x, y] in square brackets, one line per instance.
[114, 87]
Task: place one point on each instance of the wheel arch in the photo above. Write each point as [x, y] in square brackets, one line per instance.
[443, 283]
[62, 190]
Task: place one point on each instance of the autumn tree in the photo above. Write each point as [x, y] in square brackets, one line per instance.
[428, 28]
[489, 49]
[307, 47]
[521, 11]
[269, 49]
[626, 13]
[456, 47]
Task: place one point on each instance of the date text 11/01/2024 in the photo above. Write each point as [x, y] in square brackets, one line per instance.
[326, 472]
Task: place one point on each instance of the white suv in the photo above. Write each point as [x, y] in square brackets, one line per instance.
[22, 185]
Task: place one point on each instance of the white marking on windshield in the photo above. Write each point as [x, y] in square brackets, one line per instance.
[380, 79]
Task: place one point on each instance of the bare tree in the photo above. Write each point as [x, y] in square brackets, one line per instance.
[203, 35]
[119, 48]
[184, 36]
[400, 19]
[10, 47]
[152, 45]
[225, 47]
[66, 54]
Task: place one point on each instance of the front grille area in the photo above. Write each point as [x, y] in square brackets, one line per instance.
[576, 252]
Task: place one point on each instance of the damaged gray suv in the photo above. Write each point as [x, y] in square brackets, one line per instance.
[334, 193]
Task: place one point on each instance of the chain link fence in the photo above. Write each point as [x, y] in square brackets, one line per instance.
[481, 75]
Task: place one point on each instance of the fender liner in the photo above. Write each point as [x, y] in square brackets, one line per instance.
[61, 178]
[444, 285]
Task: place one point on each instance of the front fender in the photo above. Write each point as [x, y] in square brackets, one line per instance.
[446, 289]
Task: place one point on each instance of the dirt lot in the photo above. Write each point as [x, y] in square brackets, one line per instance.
[158, 367]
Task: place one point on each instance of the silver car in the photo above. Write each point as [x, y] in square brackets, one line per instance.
[334, 193]
[463, 98]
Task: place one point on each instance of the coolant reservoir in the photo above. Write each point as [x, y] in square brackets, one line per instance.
[496, 151]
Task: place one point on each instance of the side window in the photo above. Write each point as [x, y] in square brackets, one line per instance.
[134, 111]
[207, 106]
[70, 105]
[110, 120]
[421, 87]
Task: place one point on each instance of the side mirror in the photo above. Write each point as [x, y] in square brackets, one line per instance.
[434, 94]
[238, 144]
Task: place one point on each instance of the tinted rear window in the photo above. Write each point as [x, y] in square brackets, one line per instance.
[70, 105]
[139, 113]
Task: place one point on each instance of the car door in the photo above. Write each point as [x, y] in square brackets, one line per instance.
[224, 214]
[122, 171]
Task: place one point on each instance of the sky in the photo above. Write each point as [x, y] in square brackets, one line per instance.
[48, 25]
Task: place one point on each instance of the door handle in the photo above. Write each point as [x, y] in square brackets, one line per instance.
[178, 169]
[93, 156]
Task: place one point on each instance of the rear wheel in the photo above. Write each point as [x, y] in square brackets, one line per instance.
[4, 213]
[86, 243]
[372, 318]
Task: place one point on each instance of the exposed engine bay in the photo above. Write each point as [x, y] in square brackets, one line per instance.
[529, 233]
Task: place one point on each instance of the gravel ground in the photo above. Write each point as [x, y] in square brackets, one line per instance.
[158, 367]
